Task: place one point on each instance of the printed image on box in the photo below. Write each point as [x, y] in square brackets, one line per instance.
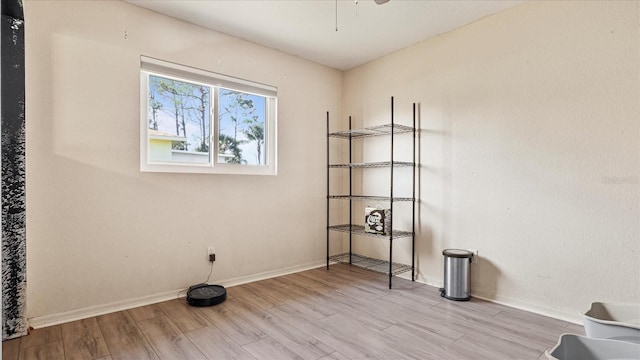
[376, 220]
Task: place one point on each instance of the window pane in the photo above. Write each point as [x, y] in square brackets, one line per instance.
[178, 115]
[241, 124]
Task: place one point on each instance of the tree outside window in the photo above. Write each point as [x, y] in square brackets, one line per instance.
[179, 114]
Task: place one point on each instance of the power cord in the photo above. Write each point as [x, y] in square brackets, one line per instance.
[210, 271]
[183, 293]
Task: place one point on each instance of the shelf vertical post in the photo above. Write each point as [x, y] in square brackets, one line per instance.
[413, 212]
[350, 197]
[328, 189]
[391, 201]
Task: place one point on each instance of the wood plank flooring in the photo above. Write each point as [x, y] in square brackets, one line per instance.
[345, 313]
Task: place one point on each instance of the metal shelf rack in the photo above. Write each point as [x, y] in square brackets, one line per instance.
[381, 164]
[372, 198]
[378, 265]
[359, 230]
[371, 264]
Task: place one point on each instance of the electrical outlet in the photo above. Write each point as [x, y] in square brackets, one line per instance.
[211, 253]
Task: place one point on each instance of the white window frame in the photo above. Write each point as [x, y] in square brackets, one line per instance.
[151, 66]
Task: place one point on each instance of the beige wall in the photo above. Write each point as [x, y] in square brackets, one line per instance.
[529, 150]
[103, 235]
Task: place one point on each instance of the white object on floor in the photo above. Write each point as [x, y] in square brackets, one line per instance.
[577, 347]
[613, 321]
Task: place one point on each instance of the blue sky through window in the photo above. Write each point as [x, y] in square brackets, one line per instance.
[181, 108]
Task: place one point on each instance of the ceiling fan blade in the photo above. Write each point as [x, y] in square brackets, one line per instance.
[380, 2]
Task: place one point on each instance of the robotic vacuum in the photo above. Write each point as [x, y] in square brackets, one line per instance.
[206, 295]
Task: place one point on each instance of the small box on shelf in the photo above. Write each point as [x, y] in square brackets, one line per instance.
[377, 220]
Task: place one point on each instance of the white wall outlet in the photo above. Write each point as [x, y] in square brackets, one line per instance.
[211, 253]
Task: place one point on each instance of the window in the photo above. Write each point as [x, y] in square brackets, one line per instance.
[197, 121]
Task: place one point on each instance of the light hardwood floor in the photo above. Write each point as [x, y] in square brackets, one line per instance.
[344, 313]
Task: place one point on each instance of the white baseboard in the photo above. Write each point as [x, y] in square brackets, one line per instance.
[273, 273]
[91, 311]
[55, 319]
[571, 317]
[97, 310]
[574, 318]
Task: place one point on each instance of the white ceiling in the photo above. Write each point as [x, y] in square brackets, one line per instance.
[307, 28]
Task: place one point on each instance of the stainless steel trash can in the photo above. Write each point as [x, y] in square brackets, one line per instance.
[457, 279]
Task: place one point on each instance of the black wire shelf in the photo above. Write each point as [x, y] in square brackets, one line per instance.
[359, 230]
[378, 130]
[382, 164]
[371, 264]
[387, 267]
[374, 198]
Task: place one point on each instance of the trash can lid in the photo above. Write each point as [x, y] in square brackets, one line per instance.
[457, 253]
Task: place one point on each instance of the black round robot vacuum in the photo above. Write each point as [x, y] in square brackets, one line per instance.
[206, 295]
